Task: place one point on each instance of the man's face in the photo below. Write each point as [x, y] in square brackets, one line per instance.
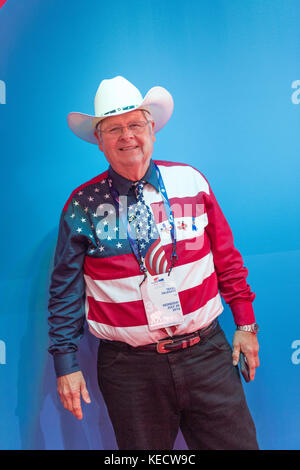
[128, 152]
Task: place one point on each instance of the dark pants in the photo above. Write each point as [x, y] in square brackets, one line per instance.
[149, 396]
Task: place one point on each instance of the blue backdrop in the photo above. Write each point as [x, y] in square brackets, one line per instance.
[233, 69]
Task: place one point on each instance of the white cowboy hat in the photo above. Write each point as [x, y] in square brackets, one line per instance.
[118, 96]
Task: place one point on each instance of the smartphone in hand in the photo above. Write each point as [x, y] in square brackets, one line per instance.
[244, 368]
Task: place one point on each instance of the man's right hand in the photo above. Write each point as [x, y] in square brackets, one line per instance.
[70, 388]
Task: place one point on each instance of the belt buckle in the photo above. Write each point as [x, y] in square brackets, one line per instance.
[161, 344]
[194, 341]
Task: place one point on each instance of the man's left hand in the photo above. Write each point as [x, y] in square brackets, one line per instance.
[246, 342]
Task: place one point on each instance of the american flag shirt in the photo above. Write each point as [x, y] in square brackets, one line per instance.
[96, 275]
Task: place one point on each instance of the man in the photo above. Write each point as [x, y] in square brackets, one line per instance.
[143, 251]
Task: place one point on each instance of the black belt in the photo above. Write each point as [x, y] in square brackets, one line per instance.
[179, 342]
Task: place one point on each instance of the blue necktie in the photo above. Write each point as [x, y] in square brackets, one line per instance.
[143, 220]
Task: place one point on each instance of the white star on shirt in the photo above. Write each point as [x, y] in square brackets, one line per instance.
[72, 216]
[76, 203]
[103, 181]
[106, 196]
[119, 245]
[101, 248]
[79, 230]
[91, 198]
[83, 220]
[80, 193]
[97, 190]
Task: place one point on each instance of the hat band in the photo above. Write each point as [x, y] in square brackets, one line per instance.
[121, 109]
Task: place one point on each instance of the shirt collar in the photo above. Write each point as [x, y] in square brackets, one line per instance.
[122, 185]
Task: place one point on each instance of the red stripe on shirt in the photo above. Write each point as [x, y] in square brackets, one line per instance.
[196, 297]
[121, 314]
[114, 267]
[122, 266]
[126, 314]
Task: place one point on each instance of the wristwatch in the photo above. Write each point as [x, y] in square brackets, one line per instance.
[253, 328]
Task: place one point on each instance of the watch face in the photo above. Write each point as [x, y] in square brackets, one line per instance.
[254, 328]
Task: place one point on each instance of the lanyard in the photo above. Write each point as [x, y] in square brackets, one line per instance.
[130, 236]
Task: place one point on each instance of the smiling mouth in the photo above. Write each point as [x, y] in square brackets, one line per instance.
[132, 147]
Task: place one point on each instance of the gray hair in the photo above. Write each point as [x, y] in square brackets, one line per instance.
[148, 112]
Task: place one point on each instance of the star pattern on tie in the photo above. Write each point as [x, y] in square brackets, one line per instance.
[141, 219]
[140, 216]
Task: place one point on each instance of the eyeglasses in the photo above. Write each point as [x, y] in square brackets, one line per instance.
[135, 127]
